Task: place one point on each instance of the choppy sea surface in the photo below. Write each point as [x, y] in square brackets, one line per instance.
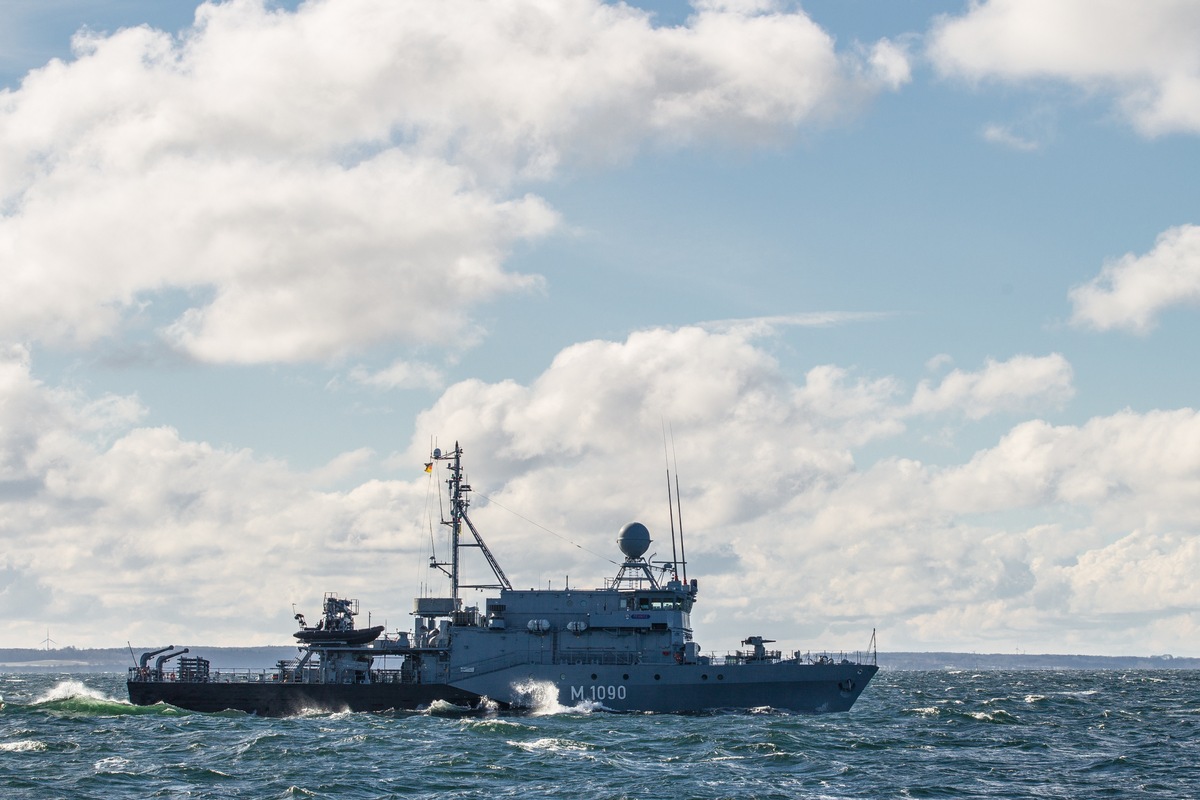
[992, 734]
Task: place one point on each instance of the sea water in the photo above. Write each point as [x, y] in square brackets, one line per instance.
[986, 734]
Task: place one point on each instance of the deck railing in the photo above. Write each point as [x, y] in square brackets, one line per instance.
[803, 657]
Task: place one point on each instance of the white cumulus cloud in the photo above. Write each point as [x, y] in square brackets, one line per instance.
[1131, 292]
[99, 516]
[1143, 53]
[310, 183]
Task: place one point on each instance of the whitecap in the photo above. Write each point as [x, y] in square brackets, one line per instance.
[497, 724]
[540, 698]
[446, 708]
[308, 712]
[551, 745]
[71, 690]
[113, 765]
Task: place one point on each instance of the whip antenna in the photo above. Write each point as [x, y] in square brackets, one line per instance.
[670, 508]
[678, 508]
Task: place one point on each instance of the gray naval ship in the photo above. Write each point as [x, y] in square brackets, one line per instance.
[627, 646]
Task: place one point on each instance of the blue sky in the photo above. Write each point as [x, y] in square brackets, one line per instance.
[914, 286]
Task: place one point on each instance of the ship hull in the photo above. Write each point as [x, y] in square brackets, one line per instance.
[788, 686]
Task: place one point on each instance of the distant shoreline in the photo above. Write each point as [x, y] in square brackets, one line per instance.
[118, 659]
[928, 661]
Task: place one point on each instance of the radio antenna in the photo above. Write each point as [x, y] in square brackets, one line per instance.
[670, 508]
[678, 507]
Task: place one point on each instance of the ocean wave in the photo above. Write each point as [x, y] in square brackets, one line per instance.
[114, 765]
[999, 716]
[445, 708]
[23, 746]
[498, 725]
[552, 745]
[925, 711]
[74, 698]
[74, 690]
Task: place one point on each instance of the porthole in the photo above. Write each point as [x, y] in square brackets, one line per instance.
[657, 677]
[625, 676]
[720, 677]
[593, 676]
[704, 677]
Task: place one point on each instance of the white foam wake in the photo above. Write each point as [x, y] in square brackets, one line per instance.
[541, 699]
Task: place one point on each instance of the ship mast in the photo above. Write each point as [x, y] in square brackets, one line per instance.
[459, 501]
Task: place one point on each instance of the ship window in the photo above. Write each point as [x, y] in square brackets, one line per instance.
[657, 677]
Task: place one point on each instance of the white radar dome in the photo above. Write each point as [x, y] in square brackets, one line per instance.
[634, 540]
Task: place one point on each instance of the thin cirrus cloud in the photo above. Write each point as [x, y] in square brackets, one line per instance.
[1144, 54]
[1019, 384]
[310, 181]
[399, 375]
[1006, 137]
[765, 326]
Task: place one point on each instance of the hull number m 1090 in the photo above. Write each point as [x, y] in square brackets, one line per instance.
[597, 692]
